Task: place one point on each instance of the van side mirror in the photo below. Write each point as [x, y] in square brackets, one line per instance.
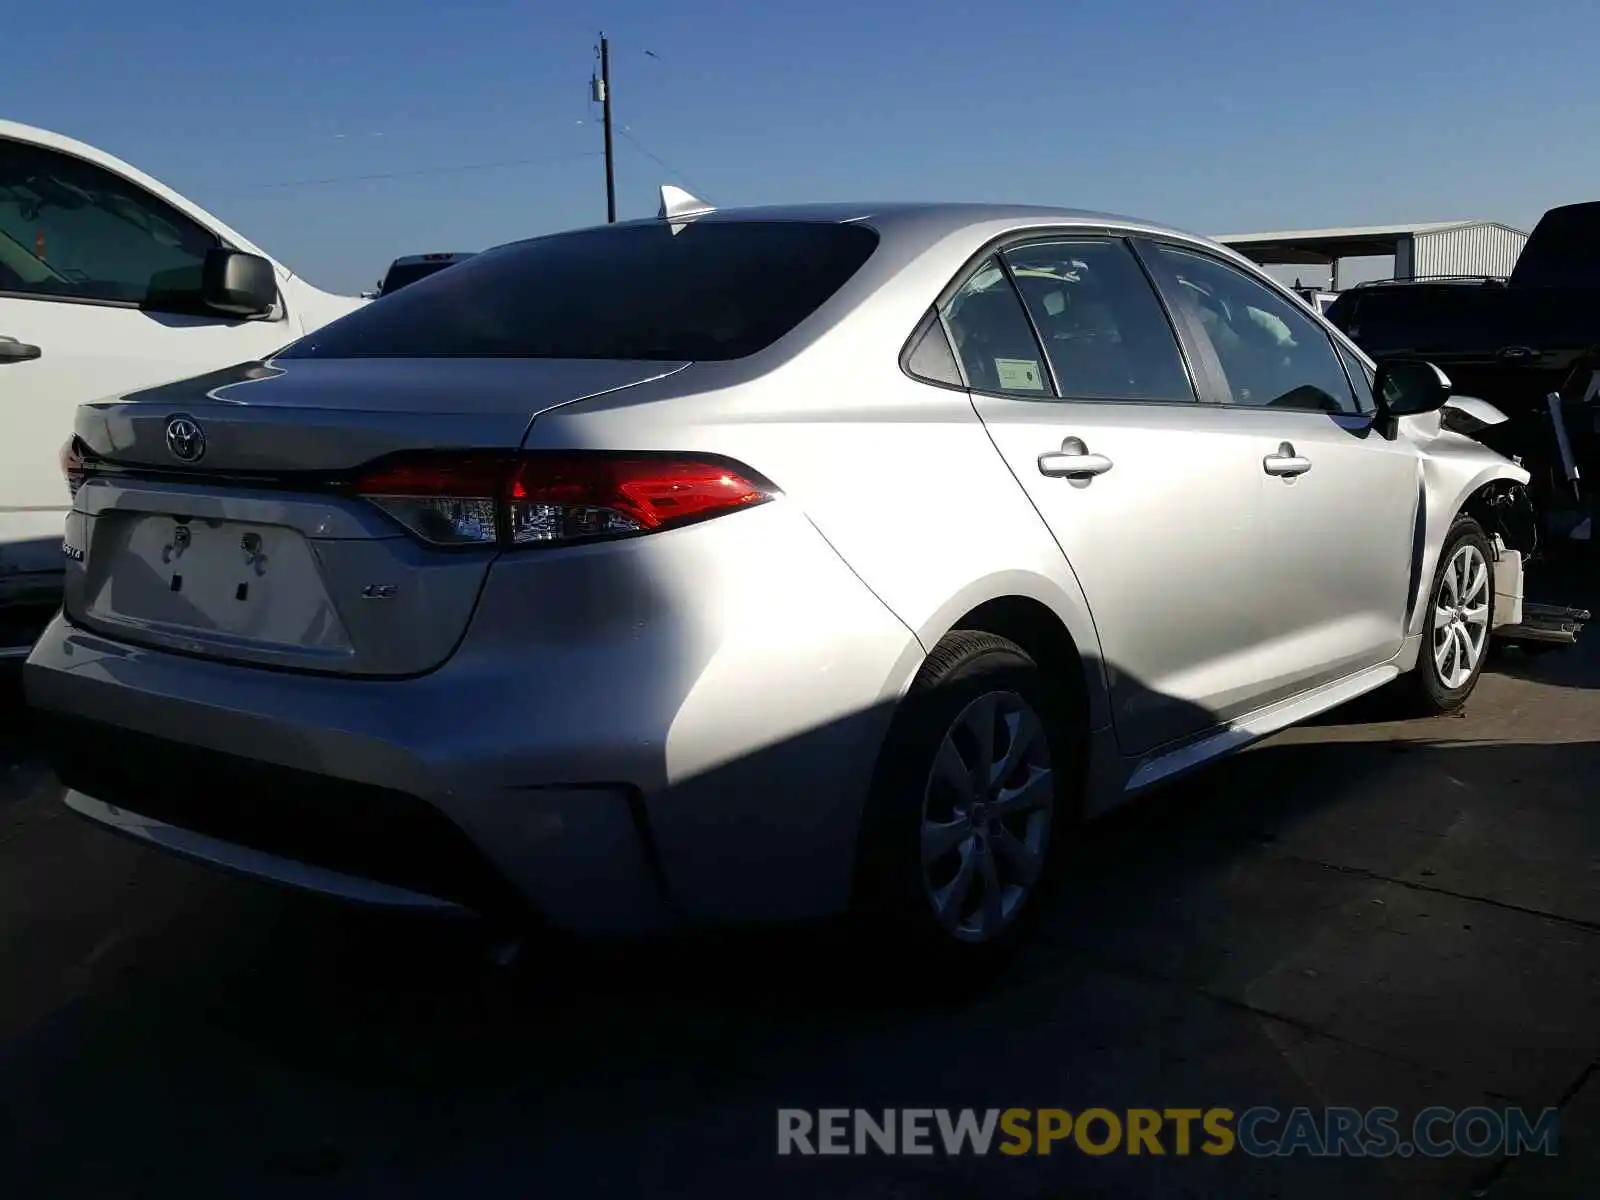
[1409, 387]
[239, 284]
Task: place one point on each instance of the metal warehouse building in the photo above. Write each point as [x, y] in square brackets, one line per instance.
[1436, 248]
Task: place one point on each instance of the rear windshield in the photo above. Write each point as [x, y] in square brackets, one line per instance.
[709, 291]
[398, 277]
[1391, 320]
[1464, 318]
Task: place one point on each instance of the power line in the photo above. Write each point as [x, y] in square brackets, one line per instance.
[420, 171]
[660, 162]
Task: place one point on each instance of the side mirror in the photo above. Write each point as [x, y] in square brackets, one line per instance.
[1409, 387]
[239, 284]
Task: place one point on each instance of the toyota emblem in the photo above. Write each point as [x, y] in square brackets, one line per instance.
[186, 439]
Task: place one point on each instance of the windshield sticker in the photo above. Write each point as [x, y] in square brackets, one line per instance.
[1019, 374]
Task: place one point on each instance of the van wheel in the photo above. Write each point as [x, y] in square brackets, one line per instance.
[1455, 632]
[974, 800]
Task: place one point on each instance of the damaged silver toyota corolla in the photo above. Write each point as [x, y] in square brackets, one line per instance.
[758, 564]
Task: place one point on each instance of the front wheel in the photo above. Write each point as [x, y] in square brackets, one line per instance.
[1455, 634]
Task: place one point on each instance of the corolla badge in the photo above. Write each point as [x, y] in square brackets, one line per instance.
[186, 439]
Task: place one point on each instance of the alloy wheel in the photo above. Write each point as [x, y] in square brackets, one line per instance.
[986, 816]
[1461, 616]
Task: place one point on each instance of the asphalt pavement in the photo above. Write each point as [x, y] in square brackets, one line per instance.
[1357, 912]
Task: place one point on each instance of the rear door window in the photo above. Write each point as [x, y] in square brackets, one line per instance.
[993, 337]
[705, 290]
[1104, 331]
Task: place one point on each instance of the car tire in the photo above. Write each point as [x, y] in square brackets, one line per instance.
[1454, 643]
[933, 847]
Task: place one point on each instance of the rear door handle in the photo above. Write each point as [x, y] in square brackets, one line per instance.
[12, 350]
[1073, 461]
[1285, 462]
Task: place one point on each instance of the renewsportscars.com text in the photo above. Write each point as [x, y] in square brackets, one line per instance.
[1259, 1132]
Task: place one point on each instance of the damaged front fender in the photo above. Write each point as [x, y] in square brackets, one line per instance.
[1460, 475]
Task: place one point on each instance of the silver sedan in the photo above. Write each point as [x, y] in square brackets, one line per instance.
[761, 564]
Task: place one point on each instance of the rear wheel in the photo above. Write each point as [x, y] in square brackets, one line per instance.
[974, 800]
[1455, 634]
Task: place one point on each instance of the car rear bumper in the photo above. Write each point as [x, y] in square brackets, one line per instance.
[694, 744]
[258, 864]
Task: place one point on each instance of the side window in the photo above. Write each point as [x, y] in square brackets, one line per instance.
[931, 358]
[992, 336]
[1360, 378]
[1103, 328]
[1273, 352]
[72, 230]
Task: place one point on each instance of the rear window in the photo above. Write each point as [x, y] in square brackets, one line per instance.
[1464, 318]
[1410, 318]
[706, 290]
[398, 277]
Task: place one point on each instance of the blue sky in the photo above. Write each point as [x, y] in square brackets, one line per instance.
[1223, 118]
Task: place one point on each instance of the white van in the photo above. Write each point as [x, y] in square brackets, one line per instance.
[108, 282]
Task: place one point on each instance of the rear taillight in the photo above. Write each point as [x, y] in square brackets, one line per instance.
[555, 499]
[72, 469]
[448, 503]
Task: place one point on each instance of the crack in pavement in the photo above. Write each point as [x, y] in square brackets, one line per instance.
[1505, 905]
[1491, 1175]
[1128, 970]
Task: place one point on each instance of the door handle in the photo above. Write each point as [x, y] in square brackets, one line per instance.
[1073, 461]
[12, 350]
[1285, 462]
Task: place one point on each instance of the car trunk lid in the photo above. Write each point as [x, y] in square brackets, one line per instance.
[238, 535]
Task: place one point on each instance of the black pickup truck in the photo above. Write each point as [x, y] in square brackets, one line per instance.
[1528, 344]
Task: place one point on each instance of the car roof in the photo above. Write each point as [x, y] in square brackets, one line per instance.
[927, 223]
[933, 218]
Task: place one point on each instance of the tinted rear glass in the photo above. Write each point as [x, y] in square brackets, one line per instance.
[714, 290]
[1407, 318]
[1464, 318]
[398, 277]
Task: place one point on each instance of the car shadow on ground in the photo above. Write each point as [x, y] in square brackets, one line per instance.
[258, 1041]
[1321, 921]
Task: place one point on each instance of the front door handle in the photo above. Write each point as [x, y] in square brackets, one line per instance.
[12, 350]
[1073, 461]
[1285, 462]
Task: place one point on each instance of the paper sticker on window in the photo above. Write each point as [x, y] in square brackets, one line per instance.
[1019, 374]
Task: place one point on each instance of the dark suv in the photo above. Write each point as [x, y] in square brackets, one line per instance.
[413, 267]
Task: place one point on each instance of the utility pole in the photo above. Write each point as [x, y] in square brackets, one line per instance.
[603, 87]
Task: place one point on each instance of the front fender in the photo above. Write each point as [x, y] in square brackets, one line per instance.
[1454, 469]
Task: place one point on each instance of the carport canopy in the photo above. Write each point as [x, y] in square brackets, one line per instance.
[1324, 247]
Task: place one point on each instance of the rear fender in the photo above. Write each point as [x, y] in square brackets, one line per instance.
[1061, 596]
